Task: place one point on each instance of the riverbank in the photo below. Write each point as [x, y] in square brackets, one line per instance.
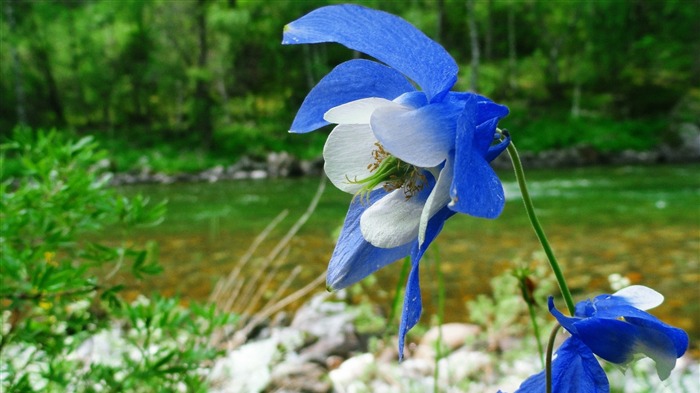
[284, 164]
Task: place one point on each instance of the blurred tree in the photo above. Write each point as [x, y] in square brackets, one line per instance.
[212, 73]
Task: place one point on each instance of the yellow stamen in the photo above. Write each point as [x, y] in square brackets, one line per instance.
[391, 173]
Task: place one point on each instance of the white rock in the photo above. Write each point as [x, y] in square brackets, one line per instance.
[356, 369]
[453, 336]
[461, 365]
[246, 369]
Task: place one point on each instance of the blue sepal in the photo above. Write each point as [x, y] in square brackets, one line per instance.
[383, 36]
[476, 189]
[354, 258]
[574, 370]
[349, 81]
[412, 303]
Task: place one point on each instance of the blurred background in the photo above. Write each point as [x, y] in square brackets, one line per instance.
[176, 87]
[163, 100]
[208, 80]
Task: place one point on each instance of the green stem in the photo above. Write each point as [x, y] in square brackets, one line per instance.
[530, 208]
[548, 366]
[536, 329]
[440, 317]
[522, 274]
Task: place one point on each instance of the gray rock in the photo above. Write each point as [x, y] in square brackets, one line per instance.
[283, 164]
[328, 327]
[299, 376]
[451, 335]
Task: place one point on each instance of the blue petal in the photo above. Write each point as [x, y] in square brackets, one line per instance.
[613, 307]
[575, 370]
[566, 322]
[678, 337]
[610, 306]
[422, 137]
[486, 109]
[663, 343]
[412, 304]
[354, 258]
[349, 81]
[484, 136]
[414, 99]
[496, 150]
[618, 341]
[383, 36]
[611, 339]
[476, 189]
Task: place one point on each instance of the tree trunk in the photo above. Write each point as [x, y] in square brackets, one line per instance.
[576, 101]
[512, 55]
[440, 28]
[488, 34]
[44, 64]
[474, 42]
[20, 98]
[202, 100]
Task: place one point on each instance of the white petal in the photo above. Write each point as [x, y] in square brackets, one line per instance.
[355, 112]
[665, 360]
[438, 198]
[347, 152]
[392, 221]
[422, 137]
[641, 297]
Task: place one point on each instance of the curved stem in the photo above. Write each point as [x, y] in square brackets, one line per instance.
[548, 362]
[530, 208]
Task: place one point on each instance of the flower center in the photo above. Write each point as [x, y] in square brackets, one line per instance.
[391, 173]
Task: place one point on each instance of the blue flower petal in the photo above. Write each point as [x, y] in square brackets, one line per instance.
[661, 342]
[610, 307]
[566, 322]
[414, 99]
[354, 258]
[412, 303]
[618, 341]
[484, 136]
[476, 189]
[383, 36]
[422, 137]
[486, 109]
[611, 339]
[350, 81]
[496, 150]
[616, 332]
[574, 370]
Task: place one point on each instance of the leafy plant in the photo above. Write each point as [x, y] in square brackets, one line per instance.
[56, 297]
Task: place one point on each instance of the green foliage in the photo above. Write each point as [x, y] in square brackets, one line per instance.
[148, 74]
[601, 134]
[504, 314]
[55, 296]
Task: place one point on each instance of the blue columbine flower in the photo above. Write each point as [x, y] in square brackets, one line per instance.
[412, 158]
[615, 328]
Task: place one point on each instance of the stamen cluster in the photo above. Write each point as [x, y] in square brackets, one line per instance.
[393, 173]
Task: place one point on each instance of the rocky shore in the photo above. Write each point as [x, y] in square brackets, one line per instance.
[323, 351]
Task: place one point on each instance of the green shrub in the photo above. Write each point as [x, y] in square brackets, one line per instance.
[53, 295]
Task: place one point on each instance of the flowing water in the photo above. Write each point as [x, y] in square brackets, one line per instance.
[641, 222]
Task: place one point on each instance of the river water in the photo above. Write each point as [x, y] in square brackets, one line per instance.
[640, 222]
